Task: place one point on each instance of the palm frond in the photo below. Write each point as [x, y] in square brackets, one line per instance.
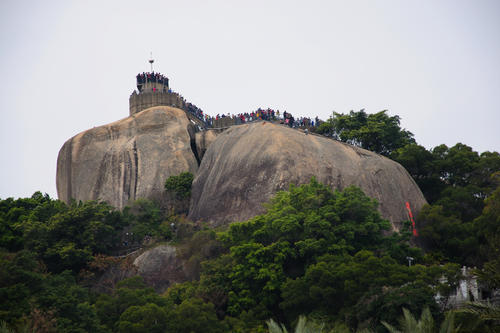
[390, 328]
[5, 329]
[448, 324]
[274, 327]
[485, 311]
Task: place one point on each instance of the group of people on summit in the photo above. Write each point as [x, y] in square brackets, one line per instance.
[259, 114]
[268, 114]
[152, 77]
[196, 111]
[223, 120]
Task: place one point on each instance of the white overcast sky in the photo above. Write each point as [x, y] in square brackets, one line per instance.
[67, 66]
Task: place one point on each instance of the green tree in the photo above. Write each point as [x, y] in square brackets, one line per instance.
[456, 164]
[145, 218]
[460, 181]
[148, 318]
[13, 213]
[420, 164]
[215, 283]
[179, 192]
[488, 230]
[42, 302]
[314, 251]
[360, 287]
[194, 315]
[385, 303]
[449, 237]
[69, 302]
[129, 293]
[69, 239]
[300, 226]
[377, 132]
[455, 176]
[180, 185]
[21, 279]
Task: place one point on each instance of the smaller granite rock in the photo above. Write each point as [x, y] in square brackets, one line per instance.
[204, 139]
[160, 267]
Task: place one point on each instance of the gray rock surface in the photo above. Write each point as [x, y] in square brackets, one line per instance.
[127, 159]
[247, 164]
[160, 267]
[205, 139]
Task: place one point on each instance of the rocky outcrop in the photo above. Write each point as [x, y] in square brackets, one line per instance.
[160, 267]
[241, 167]
[247, 164]
[127, 159]
[205, 139]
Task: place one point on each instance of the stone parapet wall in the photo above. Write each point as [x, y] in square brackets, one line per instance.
[144, 100]
[225, 122]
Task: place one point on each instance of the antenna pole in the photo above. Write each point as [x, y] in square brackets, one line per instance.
[151, 60]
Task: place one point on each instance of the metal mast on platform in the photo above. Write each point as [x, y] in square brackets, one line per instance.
[151, 60]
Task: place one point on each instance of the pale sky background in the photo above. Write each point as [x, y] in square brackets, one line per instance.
[67, 66]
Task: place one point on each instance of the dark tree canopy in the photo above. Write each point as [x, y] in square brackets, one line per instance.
[180, 185]
[315, 252]
[377, 132]
[457, 182]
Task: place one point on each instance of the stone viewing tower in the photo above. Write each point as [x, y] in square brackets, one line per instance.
[153, 90]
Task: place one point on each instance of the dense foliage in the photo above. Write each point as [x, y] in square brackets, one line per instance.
[320, 253]
[46, 247]
[457, 183]
[180, 185]
[377, 132]
[178, 190]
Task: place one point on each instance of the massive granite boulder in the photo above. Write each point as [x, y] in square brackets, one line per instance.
[247, 164]
[127, 159]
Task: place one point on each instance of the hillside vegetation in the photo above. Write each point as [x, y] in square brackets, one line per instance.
[315, 252]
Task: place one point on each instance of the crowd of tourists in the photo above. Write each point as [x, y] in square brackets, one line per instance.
[152, 77]
[302, 122]
[242, 118]
[194, 110]
[198, 113]
[268, 114]
[226, 120]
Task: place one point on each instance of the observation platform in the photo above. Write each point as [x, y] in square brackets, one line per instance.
[153, 90]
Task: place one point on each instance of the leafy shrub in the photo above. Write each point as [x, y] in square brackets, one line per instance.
[180, 185]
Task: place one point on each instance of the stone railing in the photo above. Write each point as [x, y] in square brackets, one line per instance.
[144, 100]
